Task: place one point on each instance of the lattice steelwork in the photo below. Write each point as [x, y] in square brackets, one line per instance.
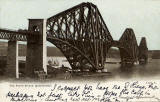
[143, 50]
[129, 47]
[82, 35]
[16, 35]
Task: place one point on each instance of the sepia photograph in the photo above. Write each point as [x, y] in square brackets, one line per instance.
[79, 50]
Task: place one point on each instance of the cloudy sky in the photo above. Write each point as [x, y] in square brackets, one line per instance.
[141, 15]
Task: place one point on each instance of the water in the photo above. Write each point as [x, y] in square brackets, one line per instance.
[149, 71]
[61, 61]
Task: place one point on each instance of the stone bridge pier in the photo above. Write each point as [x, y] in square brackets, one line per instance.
[36, 51]
[36, 48]
[12, 59]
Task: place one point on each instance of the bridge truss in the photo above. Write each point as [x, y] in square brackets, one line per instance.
[17, 35]
[129, 52]
[83, 37]
[81, 34]
[143, 51]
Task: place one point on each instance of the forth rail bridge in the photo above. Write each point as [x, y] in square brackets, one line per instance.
[81, 35]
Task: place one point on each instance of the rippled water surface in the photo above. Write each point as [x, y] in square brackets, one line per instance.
[145, 72]
[148, 71]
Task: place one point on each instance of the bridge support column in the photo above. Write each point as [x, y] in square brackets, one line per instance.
[36, 48]
[12, 59]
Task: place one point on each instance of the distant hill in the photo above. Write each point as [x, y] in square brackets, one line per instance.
[53, 51]
[155, 54]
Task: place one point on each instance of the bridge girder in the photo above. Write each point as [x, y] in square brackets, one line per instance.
[83, 28]
[143, 50]
[129, 47]
[82, 35]
[17, 35]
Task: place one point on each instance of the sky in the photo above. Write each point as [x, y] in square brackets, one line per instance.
[141, 15]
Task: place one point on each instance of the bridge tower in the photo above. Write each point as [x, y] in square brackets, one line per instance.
[129, 49]
[82, 36]
[36, 47]
[143, 51]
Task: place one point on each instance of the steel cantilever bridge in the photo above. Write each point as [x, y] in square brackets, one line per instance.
[83, 37]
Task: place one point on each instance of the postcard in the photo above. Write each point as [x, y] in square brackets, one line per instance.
[79, 51]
